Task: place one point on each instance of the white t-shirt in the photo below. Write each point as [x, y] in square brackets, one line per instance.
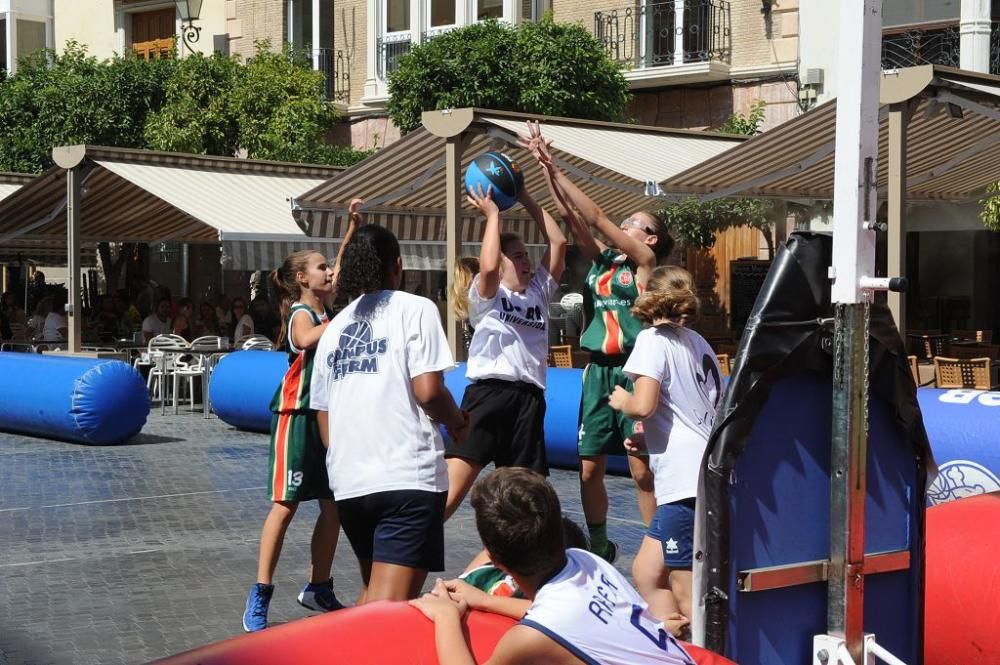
[50, 329]
[511, 341]
[380, 438]
[690, 388]
[245, 322]
[591, 610]
[152, 324]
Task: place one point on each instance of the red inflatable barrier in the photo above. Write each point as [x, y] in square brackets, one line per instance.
[377, 634]
[961, 608]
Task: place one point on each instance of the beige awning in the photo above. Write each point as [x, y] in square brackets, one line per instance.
[146, 196]
[617, 165]
[952, 138]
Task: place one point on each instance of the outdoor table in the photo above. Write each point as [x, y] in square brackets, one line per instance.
[205, 355]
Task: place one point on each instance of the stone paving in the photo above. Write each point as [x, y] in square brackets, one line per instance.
[129, 553]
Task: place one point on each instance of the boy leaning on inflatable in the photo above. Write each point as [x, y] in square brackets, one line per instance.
[582, 608]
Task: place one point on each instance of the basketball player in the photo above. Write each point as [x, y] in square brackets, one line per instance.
[508, 306]
[379, 394]
[582, 611]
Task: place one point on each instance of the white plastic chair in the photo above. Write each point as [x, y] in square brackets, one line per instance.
[161, 363]
[202, 361]
[255, 343]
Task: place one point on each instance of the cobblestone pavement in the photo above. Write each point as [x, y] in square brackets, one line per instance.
[129, 553]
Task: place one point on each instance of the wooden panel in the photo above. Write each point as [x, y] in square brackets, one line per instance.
[710, 270]
[153, 34]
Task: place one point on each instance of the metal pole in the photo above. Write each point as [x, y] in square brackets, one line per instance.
[74, 310]
[899, 117]
[855, 198]
[454, 146]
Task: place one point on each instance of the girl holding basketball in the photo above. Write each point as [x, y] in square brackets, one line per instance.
[297, 467]
[677, 384]
[617, 277]
[508, 306]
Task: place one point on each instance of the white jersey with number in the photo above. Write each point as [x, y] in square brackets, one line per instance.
[591, 610]
[380, 438]
[690, 387]
[511, 341]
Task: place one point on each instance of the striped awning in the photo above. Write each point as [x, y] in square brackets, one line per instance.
[952, 145]
[617, 165]
[145, 196]
[267, 254]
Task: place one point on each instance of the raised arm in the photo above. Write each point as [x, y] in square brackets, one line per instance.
[640, 253]
[356, 218]
[554, 258]
[489, 254]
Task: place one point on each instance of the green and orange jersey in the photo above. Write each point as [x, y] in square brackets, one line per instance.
[293, 393]
[612, 290]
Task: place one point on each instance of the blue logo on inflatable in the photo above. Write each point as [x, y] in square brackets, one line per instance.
[961, 478]
[357, 352]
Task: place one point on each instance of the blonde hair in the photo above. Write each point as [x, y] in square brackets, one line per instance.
[288, 287]
[669, 295]
[466, 268]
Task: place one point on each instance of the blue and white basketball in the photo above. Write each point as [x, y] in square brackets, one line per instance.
[500, 171]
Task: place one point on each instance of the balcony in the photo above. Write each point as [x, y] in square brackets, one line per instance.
[338, 78]
[922, 45]
[389, 50]
[675, 40]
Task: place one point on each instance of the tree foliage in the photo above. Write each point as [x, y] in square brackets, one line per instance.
[70, 98]
[270, 108]
[696, 223]
[990, 213]
[544, 67]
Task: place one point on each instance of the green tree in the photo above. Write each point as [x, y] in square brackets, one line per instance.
[546, 67]
[990, 213]
[69, 98]
[697, 223]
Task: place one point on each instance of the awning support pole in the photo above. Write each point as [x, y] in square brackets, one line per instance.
[899, 118]
[74, 308]
[454, 147]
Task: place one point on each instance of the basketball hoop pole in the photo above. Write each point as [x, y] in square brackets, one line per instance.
[855, 200]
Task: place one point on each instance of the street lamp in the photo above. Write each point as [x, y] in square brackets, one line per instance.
[189, 10]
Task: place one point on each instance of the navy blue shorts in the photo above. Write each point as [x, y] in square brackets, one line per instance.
[673, 526]
[402, 527]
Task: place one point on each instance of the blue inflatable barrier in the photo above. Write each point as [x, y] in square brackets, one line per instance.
[242, 386]
[97, 402]
[962, 428]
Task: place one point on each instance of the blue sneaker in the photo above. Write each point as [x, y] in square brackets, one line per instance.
[255, 615]
[320, 597]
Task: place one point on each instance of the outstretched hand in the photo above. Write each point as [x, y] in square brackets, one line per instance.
[536, 144]
[483, 202]
[354, 214]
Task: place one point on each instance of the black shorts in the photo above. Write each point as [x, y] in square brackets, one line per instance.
[403, 527]
[508, 425]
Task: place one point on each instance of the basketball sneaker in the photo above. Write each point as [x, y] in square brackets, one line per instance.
[255, 614]
[611, 553]
[320, 597]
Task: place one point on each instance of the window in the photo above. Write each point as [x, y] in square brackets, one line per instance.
[397, 15]
[3, 44]
[903, 12]
[30, 37]
[153, 33]
[442, 13]
[492, 9]
[300, 24]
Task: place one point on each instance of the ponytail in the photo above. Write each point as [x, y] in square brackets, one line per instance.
[669, 295]
[466, 269]
[287, 286]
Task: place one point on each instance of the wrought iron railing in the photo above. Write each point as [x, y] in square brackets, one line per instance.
[650, 35]
[338, 79]
[937, 45]
[995, 49]
[389, 53]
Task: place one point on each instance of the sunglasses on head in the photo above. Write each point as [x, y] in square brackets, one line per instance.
[634, 223]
